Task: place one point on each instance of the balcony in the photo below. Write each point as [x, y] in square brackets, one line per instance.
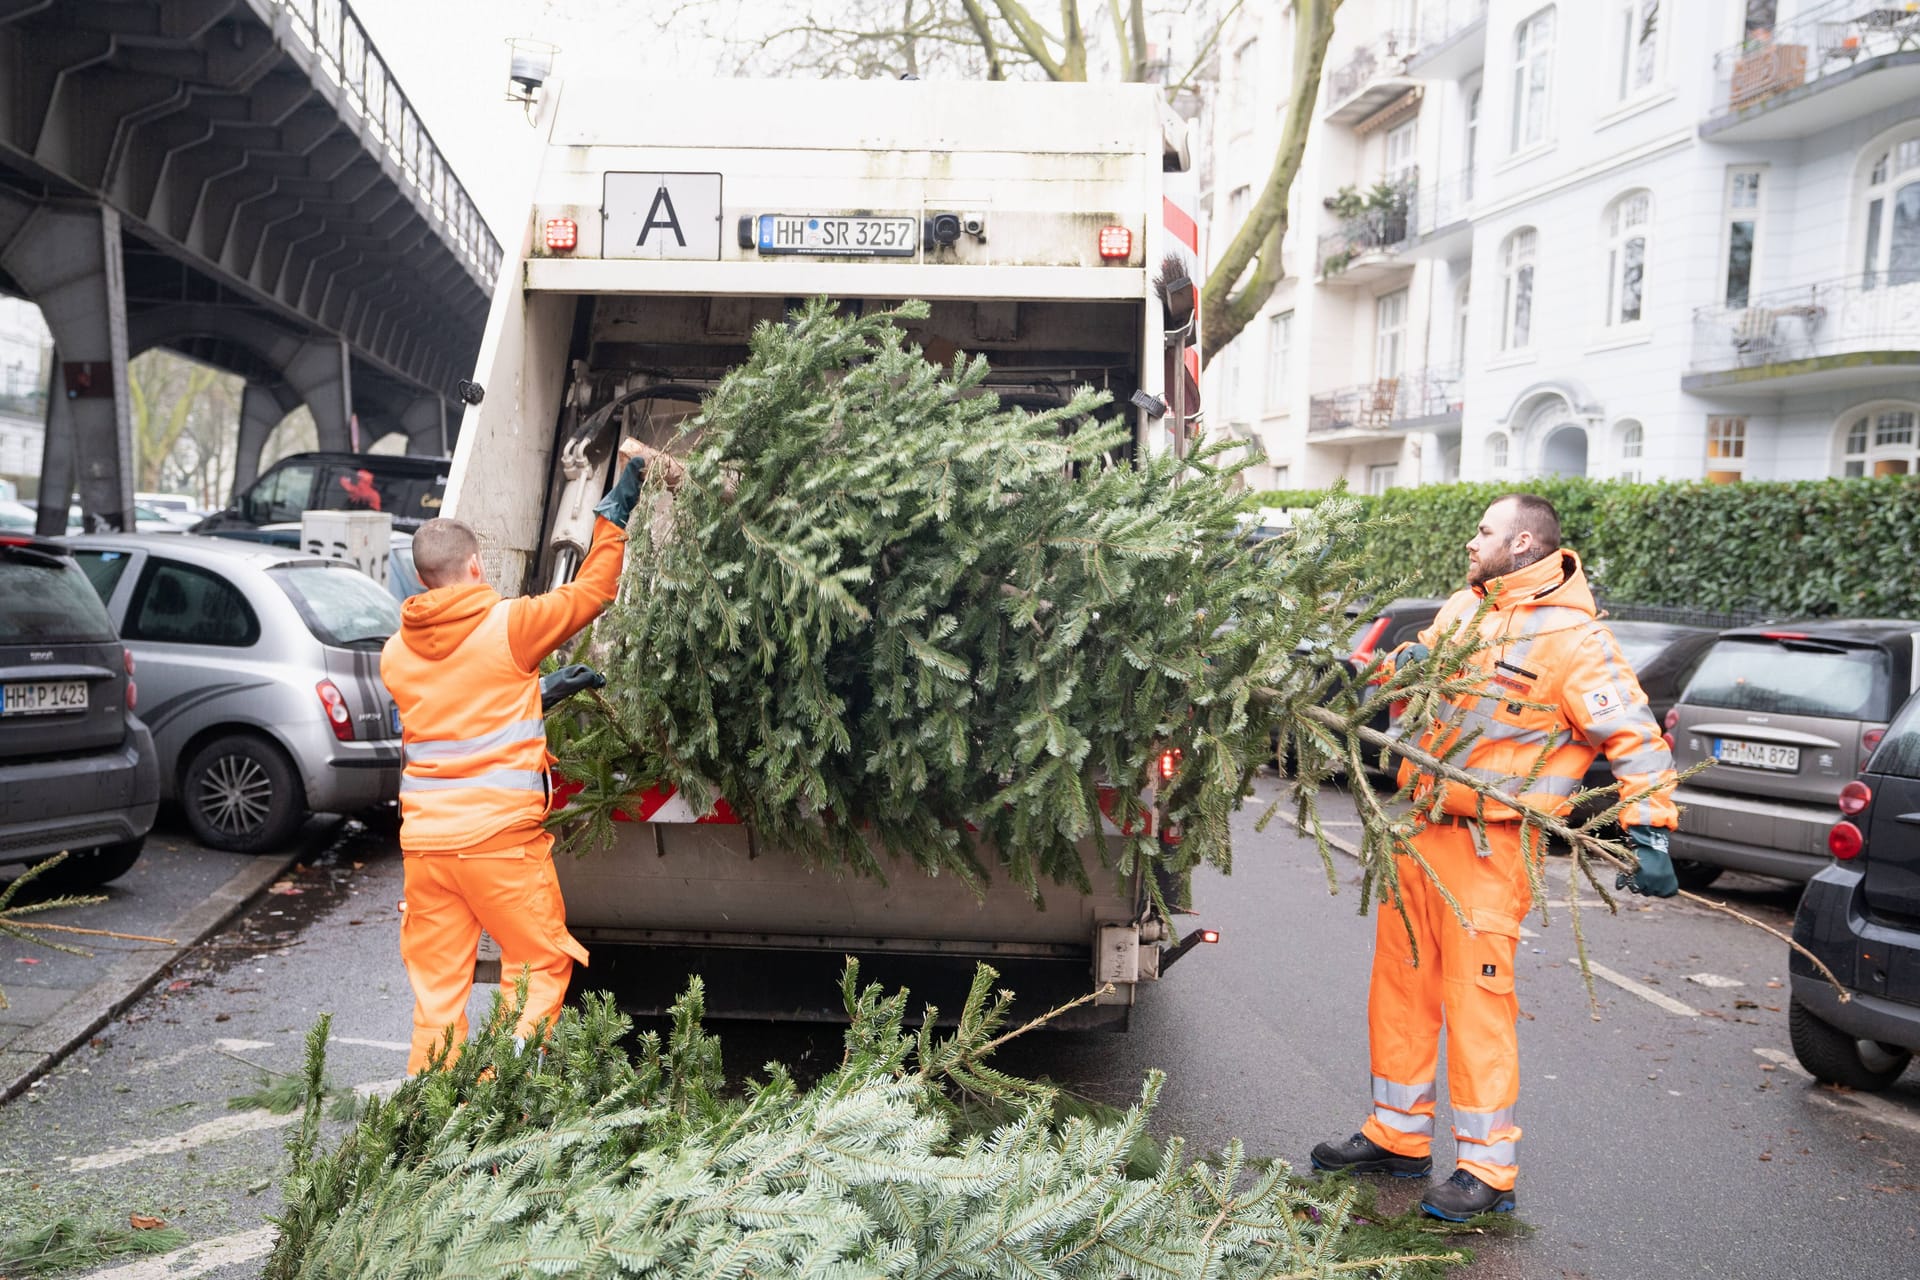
[1453, 40]
[1863, 331]
[1841, 60]
[1437, 222]
[1423, 400]
[1365, 247]
[1374, 76]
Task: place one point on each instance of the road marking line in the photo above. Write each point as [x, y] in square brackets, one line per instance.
[1876, 1108]
[398, 1046]
[379, 1088]
[1640, 989]
[1781, 1058]
[199, 1136]
[208, 1255]
[218, 1046]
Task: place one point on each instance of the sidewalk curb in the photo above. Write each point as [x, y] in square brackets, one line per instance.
[75, 1022]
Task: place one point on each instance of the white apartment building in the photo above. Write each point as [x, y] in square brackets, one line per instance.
[1649, 239]
[25, 349]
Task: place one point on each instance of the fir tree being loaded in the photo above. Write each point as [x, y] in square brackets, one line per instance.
[1554, 688]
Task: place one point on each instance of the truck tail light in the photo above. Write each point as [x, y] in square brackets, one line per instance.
[1169, 764]
[339, 719]
[1855, 797]
[1363, 652]
[1116, 243]
[1845, 840]
[563, 235]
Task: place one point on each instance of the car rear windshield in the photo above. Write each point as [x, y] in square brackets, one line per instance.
[1641, 643]
[45, 599]
[1794, 677]
[340, 605]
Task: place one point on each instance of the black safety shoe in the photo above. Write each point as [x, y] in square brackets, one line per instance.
[1361, 1154]
[1463, 1197]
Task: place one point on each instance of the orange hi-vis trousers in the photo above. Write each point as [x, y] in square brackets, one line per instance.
[514, 895]
[1464, 978]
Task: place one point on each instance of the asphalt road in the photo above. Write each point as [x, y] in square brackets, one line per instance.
[1663, 1139]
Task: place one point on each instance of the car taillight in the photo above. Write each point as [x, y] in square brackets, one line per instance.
[1671, 719]
[1116, 243]
[339, 719]
[1668, 739]
[1363, 652]
[1855, 797]
[1169, 764]
[1845, 840]
[1869, 739]
[563, 235]
[133, 690]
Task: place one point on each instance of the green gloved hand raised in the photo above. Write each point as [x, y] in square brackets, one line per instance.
[1655, 876]
[618, 505]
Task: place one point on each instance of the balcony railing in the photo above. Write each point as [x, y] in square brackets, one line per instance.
[1435, 205]
[1826, 40]
[1387, 404]
[1879, 312]
[1442, 20]
[344, 52]
[1385, 56]
[1381, 228]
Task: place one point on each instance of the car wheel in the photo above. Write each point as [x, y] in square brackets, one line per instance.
[1837, 1058]
[1695, 876]
[240, 794]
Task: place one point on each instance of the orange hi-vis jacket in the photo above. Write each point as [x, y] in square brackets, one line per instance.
[1544, 645]
[463, 670]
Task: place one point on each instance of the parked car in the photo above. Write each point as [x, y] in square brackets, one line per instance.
[261, 670]
[1370, 632]
[1788, 712]
[407, 487]
[1861, 915]
[1663, 656]
[174, 506]
[78, 770]
[403, 579]
[15, 517]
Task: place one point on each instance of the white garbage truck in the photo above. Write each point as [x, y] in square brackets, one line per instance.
[1050, 227]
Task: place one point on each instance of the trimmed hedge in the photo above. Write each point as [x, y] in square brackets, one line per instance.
[1801, 548]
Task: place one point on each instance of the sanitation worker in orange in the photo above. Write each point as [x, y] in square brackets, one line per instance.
[464, 671]
[1543, 646]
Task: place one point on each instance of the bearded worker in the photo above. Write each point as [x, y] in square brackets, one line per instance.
[1542, 646]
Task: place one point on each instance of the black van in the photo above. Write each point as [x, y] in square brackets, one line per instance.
[408, 487]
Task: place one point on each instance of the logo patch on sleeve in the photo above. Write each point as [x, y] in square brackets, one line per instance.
[1489, 971]
[1603, 703]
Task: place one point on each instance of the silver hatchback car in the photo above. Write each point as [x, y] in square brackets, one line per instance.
[259, 677]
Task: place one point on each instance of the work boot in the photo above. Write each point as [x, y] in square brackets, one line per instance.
[1464, 1196]
[1360, 1154]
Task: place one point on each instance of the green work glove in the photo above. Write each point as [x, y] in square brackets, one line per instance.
[1655, 876]
[618, 505]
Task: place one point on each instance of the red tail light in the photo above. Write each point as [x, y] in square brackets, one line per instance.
[1668, 739]
[339, 719]
[1671, 719]
[1116, 243]
[133, 690]
[563, 235]
[1869, 739]
[1169, 764]
[1855, 797]
[1783, 635]
[1363, 652]
[1845, 840]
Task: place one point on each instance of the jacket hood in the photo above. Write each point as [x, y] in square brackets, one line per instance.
[1556, 580]
[434, 622]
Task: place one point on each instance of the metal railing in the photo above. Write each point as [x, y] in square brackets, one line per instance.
[1378, 229]
[1439, 204]
[1827, 39]
[1441, 20]
[1860, 313]
[1385, 55]
[342, 49]
[1386, 403]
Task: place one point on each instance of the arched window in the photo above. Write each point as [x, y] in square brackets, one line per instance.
[1630, 446]
[1880, 440]
[1497, 453]
[1516, 289]
[1892, 202]
[1532, 79]
[1628, 229]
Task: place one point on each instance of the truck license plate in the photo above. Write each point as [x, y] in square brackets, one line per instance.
[1756, 755]
[848, 236]
[44, 697]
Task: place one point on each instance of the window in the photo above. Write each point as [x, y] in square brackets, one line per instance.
[181, 604]
[1228, 384]
[1279, 352]
[1743, 233]
[280, 495]
[1882, 442]
[1532, 79]
[1627, 232]
[1632, 445]
[1726, 449]
[1638, 22]
[45, 600]
[1246, 77]
[1389, 334]
[1899, 752]
[1400, 151]
[1460, 297]
[1893, 216]
[1282, 477]
[1849, 682]
[104, 570]
[1380, 477]
[1497, 452]
[1516, 277]
[1239, 201]
[341, 606]
[1473, 141]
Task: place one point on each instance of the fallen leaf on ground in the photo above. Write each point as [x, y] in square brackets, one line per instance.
[285, 888]
[180, 984]
[145, 1222]
[25, 960]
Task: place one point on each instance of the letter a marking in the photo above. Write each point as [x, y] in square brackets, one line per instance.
[661, 200]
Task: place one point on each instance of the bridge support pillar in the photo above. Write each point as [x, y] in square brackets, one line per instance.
[322, 372]
[261, 410]
[425, 423]
[67, 259]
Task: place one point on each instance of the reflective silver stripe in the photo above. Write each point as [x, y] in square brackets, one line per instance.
[1644, 760]
[1546, 784]
[1421, 1125]
[1401, 1097]
[455, 748]
[1491, 1153]
[1480, 1126]
[496, 780]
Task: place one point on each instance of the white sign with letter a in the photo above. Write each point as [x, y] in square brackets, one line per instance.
[661, 215]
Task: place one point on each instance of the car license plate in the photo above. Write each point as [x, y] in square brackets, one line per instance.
[1756, 755]
[44, 697]
[850, 236]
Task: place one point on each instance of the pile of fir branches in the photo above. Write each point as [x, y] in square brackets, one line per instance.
[913, 1158]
